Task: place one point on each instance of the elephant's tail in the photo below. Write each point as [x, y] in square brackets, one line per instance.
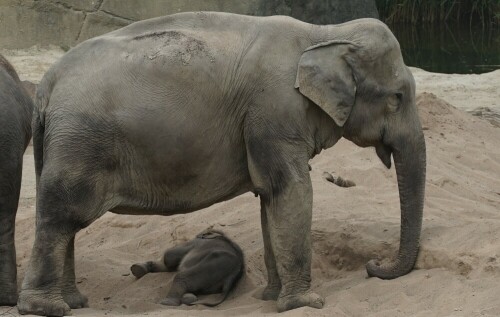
[42, 97]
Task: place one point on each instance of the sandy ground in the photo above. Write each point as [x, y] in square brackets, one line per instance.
[458, 269]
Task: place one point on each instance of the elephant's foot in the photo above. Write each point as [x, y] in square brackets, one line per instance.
[171, 301]
[295, 301]
[42, 303]
[75, 299]
[139, 270]
[8, 295]
[189, 298]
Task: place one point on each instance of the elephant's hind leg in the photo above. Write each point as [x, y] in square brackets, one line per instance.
[64, 206]
[41, 292]
[10, 184]
[70, 292]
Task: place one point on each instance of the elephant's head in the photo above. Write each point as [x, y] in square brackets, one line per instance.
[359, 79]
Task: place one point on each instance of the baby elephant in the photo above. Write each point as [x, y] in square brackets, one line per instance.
[209, 264]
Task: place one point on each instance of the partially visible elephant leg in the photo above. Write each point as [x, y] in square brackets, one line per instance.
[10, 185]
[71, 294]
[285, 189]
[273, 288]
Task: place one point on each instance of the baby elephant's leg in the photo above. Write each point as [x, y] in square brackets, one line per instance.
[141, 269]
[168, 262]
[189, 298]
[173, 257]
[206, 277]
[178, 289]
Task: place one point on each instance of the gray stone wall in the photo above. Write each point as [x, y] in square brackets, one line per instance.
[24, 23]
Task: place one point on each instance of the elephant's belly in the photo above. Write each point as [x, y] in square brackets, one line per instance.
[181, 186]
[171, 206]
[182, 201]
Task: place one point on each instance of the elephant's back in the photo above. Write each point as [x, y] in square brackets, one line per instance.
[202, 21]
[206, 46]
[214, 34]
[173, 45]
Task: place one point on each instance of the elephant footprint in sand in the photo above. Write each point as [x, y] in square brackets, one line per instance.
[116, 130]
[209, 264]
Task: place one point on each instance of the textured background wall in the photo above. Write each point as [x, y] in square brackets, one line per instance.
[24, 23]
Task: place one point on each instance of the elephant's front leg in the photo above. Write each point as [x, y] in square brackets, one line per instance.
[289, 215]
[281, 177]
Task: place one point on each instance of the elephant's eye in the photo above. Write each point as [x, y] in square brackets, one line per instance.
[394, 101]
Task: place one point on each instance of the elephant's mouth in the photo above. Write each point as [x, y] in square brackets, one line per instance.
[384, 153]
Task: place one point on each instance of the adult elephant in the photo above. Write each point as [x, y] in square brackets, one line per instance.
[16, 108]
[174, 114]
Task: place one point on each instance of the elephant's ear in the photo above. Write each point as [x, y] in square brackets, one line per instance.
[326, 79]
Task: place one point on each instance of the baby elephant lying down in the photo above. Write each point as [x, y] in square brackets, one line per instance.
[209, 264]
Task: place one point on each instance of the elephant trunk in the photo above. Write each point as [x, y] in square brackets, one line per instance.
[410, 161]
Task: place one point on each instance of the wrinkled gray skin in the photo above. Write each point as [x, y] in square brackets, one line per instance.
[209, 264]
[15, 132]
[174, 114]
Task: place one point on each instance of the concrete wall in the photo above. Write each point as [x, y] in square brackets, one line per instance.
[24, 23]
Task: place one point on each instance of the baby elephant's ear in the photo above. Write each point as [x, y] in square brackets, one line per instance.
[326, 79]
